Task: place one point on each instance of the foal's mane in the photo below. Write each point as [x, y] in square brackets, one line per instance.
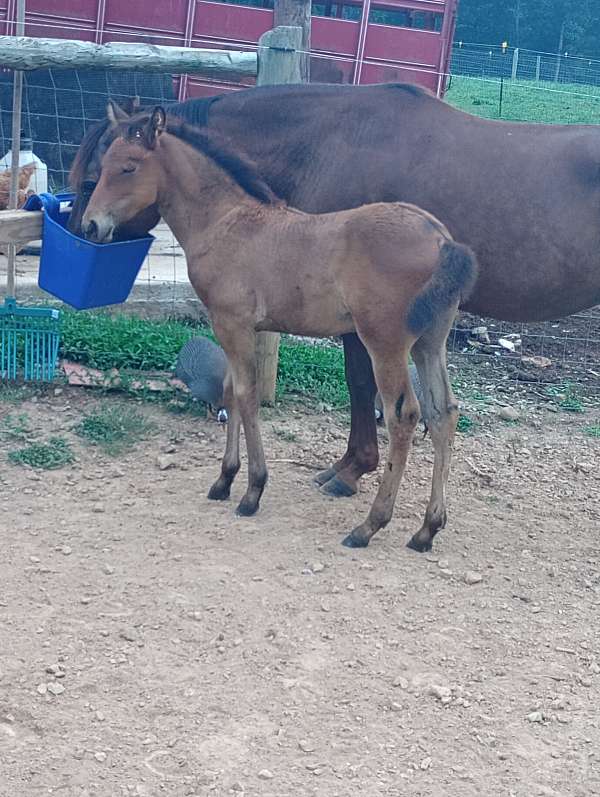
[221, 151]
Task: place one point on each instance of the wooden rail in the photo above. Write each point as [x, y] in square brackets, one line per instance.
[25, 53]
[20, 226]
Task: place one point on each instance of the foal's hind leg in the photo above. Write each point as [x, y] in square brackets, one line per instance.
[341, 479]
[401, 410]
[440, 413]
[231, 459]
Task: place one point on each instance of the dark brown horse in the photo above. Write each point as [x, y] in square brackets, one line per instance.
[526, 198]
[388, 272]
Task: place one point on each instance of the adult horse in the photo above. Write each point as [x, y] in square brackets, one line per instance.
[524, 197]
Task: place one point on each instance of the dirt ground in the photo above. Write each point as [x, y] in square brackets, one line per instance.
[151, 643]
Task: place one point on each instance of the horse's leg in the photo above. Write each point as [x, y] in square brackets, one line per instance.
[401, 409]
[231, 459]
[239, 344]
[440, 413]
[361, 456]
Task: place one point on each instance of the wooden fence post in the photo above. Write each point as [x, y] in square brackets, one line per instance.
[279, 61]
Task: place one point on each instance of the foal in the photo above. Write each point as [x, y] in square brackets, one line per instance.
[389, 272]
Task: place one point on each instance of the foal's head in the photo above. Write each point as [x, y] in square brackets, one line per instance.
[130, 174]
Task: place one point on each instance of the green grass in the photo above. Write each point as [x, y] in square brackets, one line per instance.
[45, 456]
[15, 427]
[14, 394]
[465, 424]
[114, 428]
[592, 431]
[526, 100]
[102, 341]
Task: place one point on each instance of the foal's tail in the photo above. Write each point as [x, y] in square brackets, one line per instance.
[453, 280]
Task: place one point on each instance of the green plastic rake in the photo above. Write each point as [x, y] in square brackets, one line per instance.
[29, 336]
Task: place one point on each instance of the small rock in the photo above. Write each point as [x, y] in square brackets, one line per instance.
[508, 413]
[536, 716]
[317, 567]
[108, 570]
[237, 786]
[266, 774]
[56, 670]
[101, 757]
[165, 463]
[100, 716]
[129, 635]
[425, 763]
[445, 573]
[42, 689]
[472, 577]
[67, 550]
[401, 682]
[443, 693]
[306, 747]
[55, 689]
[396, 707]
[98, 509]
[350, 587]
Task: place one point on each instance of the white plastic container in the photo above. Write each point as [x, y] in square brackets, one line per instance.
[39, 178]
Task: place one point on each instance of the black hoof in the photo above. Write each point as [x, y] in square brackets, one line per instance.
[324, 476]
[352, 542]
[337, 488]
[218, 493]
[420, 546]
[246, 509]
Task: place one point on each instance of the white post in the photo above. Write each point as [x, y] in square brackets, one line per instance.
[515, 63]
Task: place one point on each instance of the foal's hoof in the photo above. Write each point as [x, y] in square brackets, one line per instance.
[219, 492]
[420, 543]
[246, 509]
[353, 542]
[336, 488]
[324, 476]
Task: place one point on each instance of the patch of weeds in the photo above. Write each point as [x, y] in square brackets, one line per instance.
[286, 435]
[15, 427]
[14, 394]
[592, 431]
[465, 424]
[45, 456]
[114, 429]
[571, 401]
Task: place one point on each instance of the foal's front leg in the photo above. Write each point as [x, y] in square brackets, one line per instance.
[240, 347]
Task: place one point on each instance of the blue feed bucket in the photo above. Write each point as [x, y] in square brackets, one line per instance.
[79, 272]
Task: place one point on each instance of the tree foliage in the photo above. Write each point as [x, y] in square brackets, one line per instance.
[571, 26]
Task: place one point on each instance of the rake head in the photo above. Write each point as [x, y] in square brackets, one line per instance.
[29, 339]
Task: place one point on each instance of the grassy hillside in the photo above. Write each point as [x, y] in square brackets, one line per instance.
[527, 101]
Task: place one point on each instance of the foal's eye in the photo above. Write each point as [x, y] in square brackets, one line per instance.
[128, 169]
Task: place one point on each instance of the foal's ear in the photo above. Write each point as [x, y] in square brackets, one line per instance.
[115, 113]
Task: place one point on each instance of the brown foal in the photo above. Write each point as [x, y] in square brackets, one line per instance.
[389, 272]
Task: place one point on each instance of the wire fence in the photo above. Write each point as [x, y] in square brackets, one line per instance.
[484, 61]
[58, 106]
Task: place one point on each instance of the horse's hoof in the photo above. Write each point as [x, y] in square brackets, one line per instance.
[324, 476]
[246, 509]
[336, 488]
[352, 542]
[419, 545]
[218, 493]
